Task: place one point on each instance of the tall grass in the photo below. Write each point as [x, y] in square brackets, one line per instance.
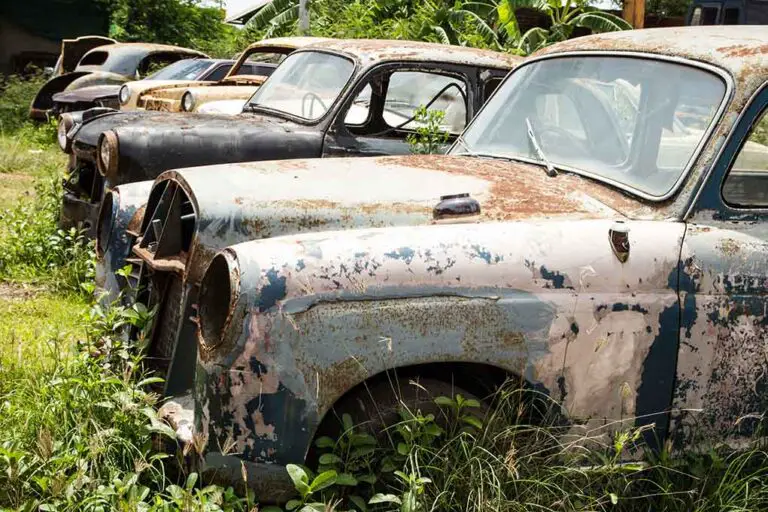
[77, 420]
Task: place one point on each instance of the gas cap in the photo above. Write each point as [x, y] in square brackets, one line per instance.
[618, 236]
[455, 206]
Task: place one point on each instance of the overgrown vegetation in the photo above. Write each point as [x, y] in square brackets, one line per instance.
[480, 23]
[78, 420]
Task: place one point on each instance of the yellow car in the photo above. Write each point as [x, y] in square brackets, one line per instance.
[250, 70]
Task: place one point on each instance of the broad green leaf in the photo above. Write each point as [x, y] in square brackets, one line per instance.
[471, 403]
[358, 502]
[471, 420]
[299, 478]
[323, 480]
[191, 481]
[325, 442]
[292, 504]
[346, 479]
[329, 458]
[384, 498]
[445, 401]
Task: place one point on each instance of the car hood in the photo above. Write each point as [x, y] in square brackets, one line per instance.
[235, 203]
[157, 123]
[92, 93]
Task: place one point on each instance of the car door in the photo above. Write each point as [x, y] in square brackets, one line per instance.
[378, 116]
[721, 389]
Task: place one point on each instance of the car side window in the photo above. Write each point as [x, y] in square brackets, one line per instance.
[155, 62]
[409, 90]
[746, 184]
[218, 73]
[360, 110]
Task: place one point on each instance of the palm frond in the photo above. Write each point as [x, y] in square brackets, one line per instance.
[441, 34]
[532, 40]
[287, 16]
[599, 21]
[270, 11]
[481, 26]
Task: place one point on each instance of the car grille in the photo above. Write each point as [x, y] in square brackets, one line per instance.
[85, 182]
[165, 242]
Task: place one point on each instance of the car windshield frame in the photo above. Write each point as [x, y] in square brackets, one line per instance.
[255, 107]
[461, 147]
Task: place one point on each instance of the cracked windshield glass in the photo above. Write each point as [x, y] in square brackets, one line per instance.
[305, 85]
[630, 121]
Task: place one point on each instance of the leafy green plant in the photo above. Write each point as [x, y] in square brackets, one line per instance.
[308, 488]
[564, 18]
[429, 137]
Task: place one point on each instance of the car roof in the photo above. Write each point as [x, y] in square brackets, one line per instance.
[145, 48]
[368, 51]
[287, 42]
[742, 50]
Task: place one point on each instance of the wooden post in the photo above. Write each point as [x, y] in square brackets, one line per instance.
[634, 12]
[303, 18]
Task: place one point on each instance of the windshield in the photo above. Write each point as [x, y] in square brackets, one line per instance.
[185, 69]
[306, 84]
[633, 121]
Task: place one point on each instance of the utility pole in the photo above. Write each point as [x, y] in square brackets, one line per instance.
[303, 18]
[634, 12]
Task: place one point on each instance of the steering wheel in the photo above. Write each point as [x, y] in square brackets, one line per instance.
[566, 144]
[312, 97]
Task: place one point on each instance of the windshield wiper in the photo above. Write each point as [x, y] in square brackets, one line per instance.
[551, 171]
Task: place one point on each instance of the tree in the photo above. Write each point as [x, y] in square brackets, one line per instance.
[564, 19]
[179, 22]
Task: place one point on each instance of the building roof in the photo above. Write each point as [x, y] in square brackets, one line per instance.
[243, 16]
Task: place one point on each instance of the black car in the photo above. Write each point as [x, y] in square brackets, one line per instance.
[335, 98]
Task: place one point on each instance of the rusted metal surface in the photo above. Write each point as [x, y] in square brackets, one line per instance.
[626, 311]
[152, 142]
[168, 99]
[119, 65]
[546, 300]
[741, 52]
[368, 51]
[115, 235]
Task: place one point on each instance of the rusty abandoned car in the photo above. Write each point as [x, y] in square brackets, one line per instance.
[322, 100]
[105, 65]
[182, 71]
[255, 64]
[599, 231]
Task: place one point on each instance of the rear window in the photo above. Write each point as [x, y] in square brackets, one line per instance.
[256, 69]
[218, 73]
[96, 58]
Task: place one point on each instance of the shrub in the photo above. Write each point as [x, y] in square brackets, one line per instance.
[16, 95]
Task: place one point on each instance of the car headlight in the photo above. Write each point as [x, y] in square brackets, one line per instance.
[61, 136]
[219, 292]
[65, 124]
[188, 102]
[107, 154]
[124, 95]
